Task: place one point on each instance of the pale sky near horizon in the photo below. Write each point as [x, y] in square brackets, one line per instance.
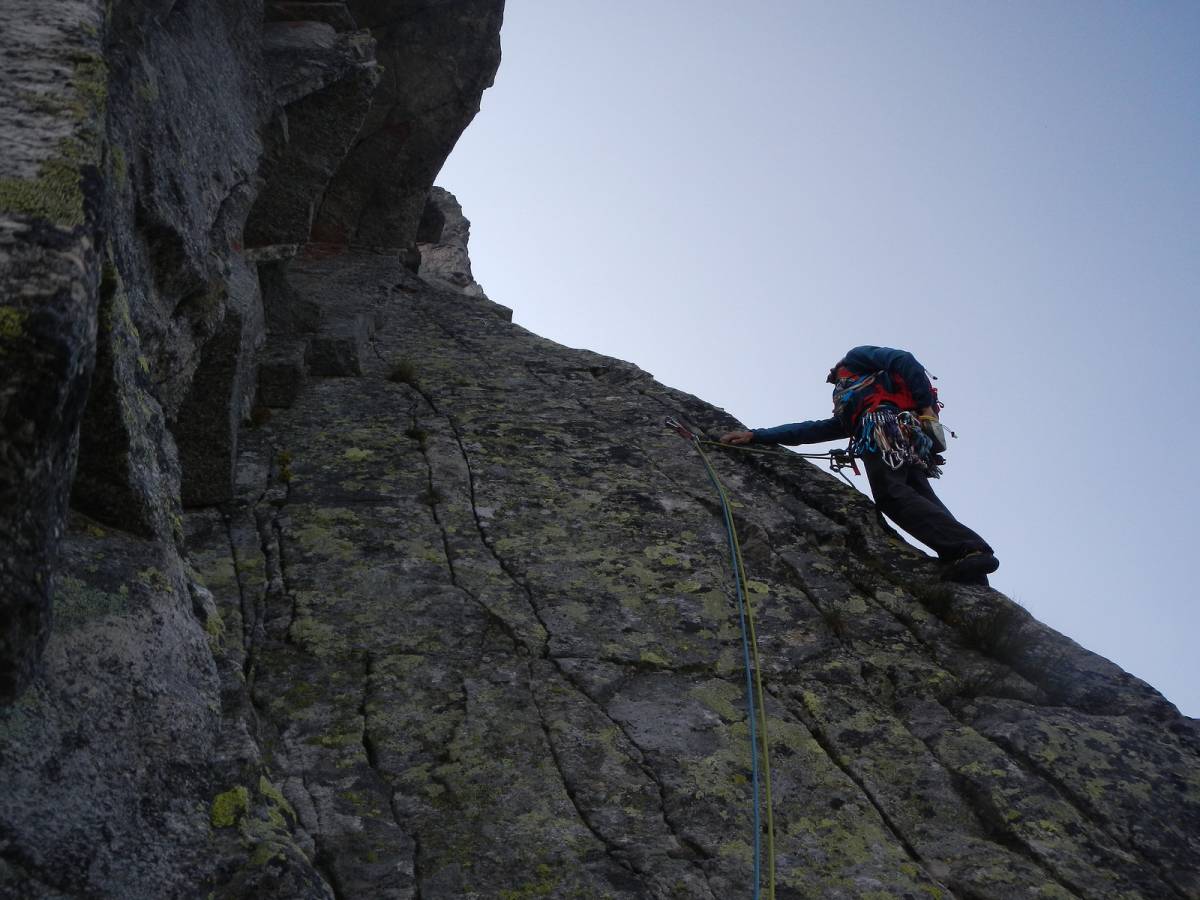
[733, 196]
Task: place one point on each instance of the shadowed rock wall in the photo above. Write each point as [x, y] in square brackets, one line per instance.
[438, 58]
[52, 100]
[368, 592]
[153, 155]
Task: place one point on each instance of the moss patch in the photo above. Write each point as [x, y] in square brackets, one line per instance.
[228, 807]
[542, 885]
[12, 323]
[76, 602]
[55, 194]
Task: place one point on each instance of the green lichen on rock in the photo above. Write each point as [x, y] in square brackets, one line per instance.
[229, 806]
[12, 322]
[541, 677]
[154, 578]
[541, 885]
[214, 627]
[76, 602]
[118, 166]
[55, 193]
[90, 82]
[275, 798]
[723, 698]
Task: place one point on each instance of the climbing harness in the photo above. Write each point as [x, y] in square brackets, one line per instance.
[756, 709]
[898, 437]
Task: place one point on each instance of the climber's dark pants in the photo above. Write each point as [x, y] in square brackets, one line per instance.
[904, 496]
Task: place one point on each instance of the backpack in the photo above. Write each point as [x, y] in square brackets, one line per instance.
[855, 393]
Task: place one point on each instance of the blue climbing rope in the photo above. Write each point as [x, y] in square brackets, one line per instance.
[755, 713]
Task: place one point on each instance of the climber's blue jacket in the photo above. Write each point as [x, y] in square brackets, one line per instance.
[912, 381]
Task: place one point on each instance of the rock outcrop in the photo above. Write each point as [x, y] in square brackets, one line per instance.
[437, 58]
[367, 592]
[484, 601]
[442, 241]
[51, 101]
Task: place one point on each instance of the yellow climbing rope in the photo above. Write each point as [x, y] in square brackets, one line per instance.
[758, 712]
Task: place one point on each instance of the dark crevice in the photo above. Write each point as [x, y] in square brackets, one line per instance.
[834, 757]
[321, 859]
[288, 594]
[247, 618]
[614, 852]
[642, 667]
[418, 874]
[1073, 799]
[371, 751]
[252, 609]
[492, 616]
[369, 748]
[994, 825]
[514, 577]
[322, 862]
[698, 852]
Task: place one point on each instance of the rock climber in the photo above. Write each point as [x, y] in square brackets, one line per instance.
[882, 400]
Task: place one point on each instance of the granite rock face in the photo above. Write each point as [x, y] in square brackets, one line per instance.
[52, 100]
[323, 84]
[368, 593]
[437, 58]
[493, 651]
[143, 145]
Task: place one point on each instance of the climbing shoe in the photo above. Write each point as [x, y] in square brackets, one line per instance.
[973, 568]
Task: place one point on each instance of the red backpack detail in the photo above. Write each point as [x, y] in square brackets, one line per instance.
[855, 393]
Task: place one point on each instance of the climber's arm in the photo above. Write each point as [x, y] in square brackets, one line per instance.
[814, 432]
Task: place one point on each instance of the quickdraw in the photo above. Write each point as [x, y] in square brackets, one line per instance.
[838, 459]
[898, 439]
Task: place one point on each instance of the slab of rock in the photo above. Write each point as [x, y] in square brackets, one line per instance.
[341, 349]
[187, 104]
[462, 625]
[505, 634]
[128, 476]
[51, 147]
[221, 395]
[286, 312]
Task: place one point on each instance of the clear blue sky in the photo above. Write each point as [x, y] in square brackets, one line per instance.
[732, 196]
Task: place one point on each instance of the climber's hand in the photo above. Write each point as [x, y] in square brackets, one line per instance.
[737, 437]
